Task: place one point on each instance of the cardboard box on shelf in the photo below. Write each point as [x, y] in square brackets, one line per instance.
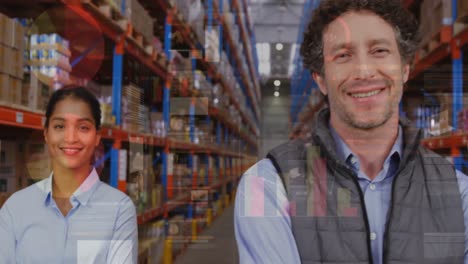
[18, 35]
[18, 64]
[5, 86]
[3, 58]
[462, 11]
[446, 109]
[10, 89]
[433, 15]
[15, 93]
[445, 124]
[7, 26]
[7, 60]
[139, 18]
[37, 92]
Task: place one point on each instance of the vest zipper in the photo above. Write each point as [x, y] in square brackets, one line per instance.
[361, 195]
[390, 213]
[363, 206]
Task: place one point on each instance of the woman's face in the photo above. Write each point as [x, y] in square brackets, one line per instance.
[71, 135]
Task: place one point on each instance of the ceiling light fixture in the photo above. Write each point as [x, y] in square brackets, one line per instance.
[276, 94]
[279, 46]
[277, 83]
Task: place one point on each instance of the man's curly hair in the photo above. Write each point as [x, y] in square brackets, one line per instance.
[392, 11]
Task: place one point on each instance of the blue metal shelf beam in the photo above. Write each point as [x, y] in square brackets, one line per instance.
[301, 77]
[457, 83]
[166, 100]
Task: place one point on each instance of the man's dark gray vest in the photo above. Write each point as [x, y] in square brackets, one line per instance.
[425, 221]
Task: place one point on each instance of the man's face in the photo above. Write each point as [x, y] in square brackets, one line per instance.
[363, 71]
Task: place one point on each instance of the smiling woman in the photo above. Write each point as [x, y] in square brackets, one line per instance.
[84, 219]
[71, 132]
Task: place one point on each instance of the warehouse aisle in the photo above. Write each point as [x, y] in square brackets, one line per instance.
[221, 249]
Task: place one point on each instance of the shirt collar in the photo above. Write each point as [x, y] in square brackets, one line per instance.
[346, 155]
[82, 194]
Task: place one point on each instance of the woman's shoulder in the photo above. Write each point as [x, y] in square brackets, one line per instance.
[109, 193]
[27, 197]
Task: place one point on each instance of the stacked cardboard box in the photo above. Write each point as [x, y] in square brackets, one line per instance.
[446, 110]
[140, 19]
[11, 60]
[50, 56]
[462, 11]
[49, 60]
[135, 115]
[433, 15]
[35, 93]
[181, 67]
[461, 22]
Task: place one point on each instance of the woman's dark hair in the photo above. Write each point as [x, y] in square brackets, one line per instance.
[392, 11]
[78, 93]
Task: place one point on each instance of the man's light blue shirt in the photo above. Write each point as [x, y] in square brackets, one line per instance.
[263, 226]
[100, 228]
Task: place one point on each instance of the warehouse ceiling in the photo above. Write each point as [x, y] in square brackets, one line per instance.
[276, 21]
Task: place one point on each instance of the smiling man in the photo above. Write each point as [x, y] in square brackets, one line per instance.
[361, 189]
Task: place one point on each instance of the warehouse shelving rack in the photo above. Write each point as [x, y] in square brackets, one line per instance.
[302, 82]
[124, 44]
[450, 49]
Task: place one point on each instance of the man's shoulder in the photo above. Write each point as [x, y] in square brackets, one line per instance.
[261, 167]
[293, 143]
[428, 155]
[291, 149]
